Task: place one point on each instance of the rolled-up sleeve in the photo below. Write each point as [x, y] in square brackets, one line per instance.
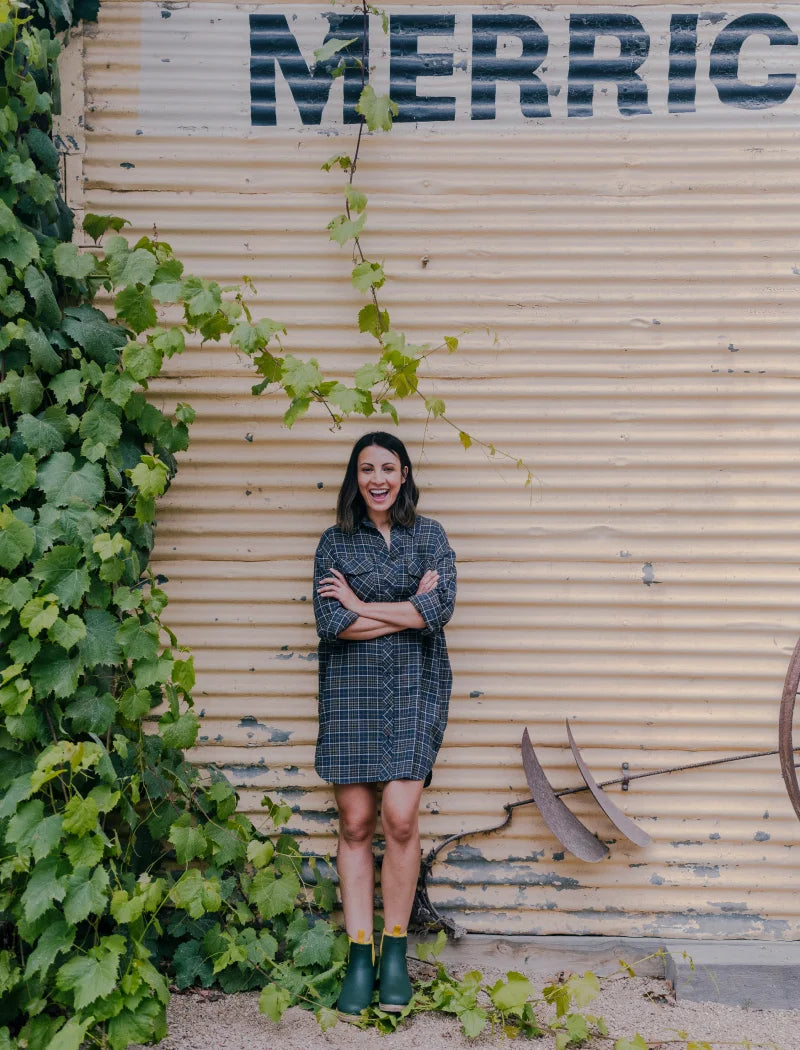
[436, 607]
[331, 617]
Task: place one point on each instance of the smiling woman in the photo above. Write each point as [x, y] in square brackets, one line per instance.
[384, 588]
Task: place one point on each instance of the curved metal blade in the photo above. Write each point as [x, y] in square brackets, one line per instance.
[619, 819]
[566, 827]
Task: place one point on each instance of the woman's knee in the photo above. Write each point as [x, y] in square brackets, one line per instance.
[356, 826]
[400, 825]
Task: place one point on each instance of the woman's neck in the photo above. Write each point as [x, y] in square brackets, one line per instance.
[380, 520]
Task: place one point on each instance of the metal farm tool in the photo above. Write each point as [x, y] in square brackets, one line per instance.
[572, 833]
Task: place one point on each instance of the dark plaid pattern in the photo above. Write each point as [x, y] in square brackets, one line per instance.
[383, 702]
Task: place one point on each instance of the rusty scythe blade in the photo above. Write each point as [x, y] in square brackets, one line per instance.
[786, 748]
[619, 819]
[566, 827]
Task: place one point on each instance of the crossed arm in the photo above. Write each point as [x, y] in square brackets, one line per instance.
[375, 619]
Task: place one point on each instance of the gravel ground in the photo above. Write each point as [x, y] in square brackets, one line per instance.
[212, 1021]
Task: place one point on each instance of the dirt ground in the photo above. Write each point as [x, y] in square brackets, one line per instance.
[212, 1021]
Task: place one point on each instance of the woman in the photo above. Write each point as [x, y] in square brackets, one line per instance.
[384, 587]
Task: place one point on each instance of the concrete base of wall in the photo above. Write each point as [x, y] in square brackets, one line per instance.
[758, 975]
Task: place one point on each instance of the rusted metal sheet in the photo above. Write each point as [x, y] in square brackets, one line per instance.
[637, 275]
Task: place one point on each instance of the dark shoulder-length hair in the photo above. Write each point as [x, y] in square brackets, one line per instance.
[350, 508]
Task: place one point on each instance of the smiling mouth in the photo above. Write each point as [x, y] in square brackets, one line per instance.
[378, 493]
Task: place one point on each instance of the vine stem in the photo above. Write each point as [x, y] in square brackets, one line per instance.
[55, 741]
[2, 379]
[360, 256]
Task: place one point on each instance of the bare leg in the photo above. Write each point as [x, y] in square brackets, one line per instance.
[400, 871]
[358, 809]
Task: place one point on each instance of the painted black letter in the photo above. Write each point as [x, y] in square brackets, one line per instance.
[682, 63]
[585, 70]
[488, 68]
[272, 44]
[406, 64]
[724, 70]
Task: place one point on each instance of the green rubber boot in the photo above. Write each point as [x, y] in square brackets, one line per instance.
[394, 990]
[359, 978]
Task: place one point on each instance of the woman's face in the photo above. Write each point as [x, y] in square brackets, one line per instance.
[380, 476]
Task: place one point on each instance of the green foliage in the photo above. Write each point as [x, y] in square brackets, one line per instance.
[121, 866]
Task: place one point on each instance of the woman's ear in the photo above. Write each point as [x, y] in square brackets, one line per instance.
[405, 474]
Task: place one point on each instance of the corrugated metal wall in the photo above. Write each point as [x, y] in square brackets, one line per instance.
[638, 277]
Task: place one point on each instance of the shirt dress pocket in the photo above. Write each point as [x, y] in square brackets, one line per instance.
[361, 575]
[414, 570]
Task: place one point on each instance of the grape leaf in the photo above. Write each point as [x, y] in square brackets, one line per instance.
[512, 993]
[181, 733]
[332, 47]
[473, 1021]
[67, 632]
[372, 320]
[16, 539]
[86, 894]
[62, 571]
[146, 1023]
[139, 641]
[94, 975]
[192, 966]
[149, 476]
[24, 390]
[13, 595]
[101, 428]
[188, 839]
[69, 262]
[44, 357]
[100, 647]
[63, 484]
[57, 937]
[54, 672]
[91, 329]
[137, 267]
[68, 387]
[356, 200]
[46, 432]
[367, 275]
[274, 1001]
[80, 815]
[71, 1036]
[135, 307]
[315, 947]
[343, 229]
[118, 387]
[273, 896]
[135, 704]
[377, 110]
[97, 225]
[16, 475]
[195, 894]
[45, 886]
[91, 711]
[19, 248]
[40, 288]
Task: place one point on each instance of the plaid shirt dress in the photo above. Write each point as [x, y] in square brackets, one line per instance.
[383, 701]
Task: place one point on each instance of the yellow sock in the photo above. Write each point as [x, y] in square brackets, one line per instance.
[361, 938]
[397, 931]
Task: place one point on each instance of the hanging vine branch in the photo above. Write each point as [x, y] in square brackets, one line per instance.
[396, 372]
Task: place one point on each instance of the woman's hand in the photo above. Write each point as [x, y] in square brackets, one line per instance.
[336, 586]
[428, 582]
